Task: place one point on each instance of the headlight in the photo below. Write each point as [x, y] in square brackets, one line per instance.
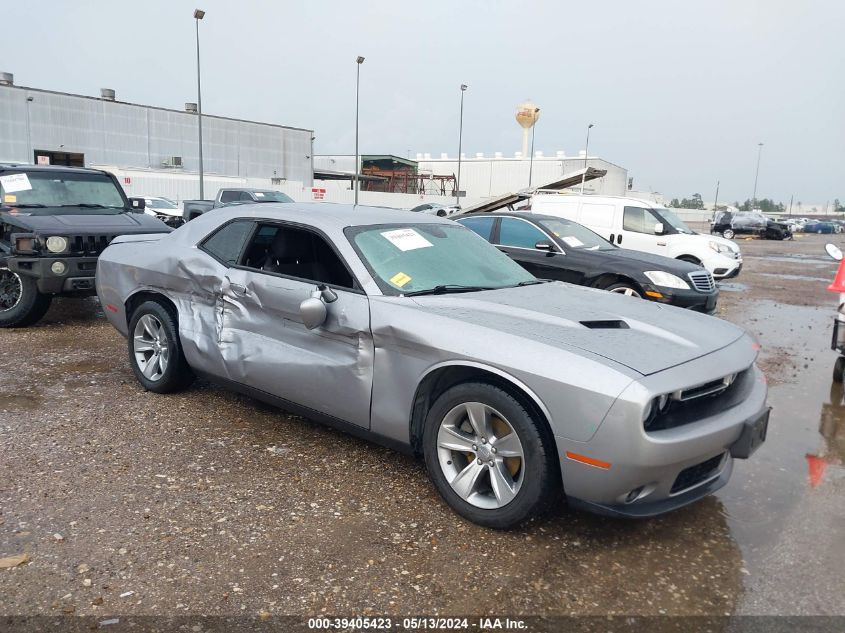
[719, 247]
[56, 244]
[666, 280]
[58, 268]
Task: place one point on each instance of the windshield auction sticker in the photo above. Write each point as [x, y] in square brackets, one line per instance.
[406, 239]
[15, 182]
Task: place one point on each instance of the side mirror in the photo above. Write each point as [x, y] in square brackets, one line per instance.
[834, 251]
[544, 245]
[658, 229]
[137, 204]
[313, 312]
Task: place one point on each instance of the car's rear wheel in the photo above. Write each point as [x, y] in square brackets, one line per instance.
[155, 350]
[20, 302]
[839, 369]
[626, 288]
[488, 456]
[728, 234]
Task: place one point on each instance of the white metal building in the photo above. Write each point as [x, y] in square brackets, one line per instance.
[483, 176]
[42, 125]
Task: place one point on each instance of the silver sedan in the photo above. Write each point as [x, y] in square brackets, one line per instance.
[413, 331]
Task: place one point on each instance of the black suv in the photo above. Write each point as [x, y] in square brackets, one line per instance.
[54, 223]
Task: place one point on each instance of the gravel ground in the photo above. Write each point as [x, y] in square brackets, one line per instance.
[208, 502]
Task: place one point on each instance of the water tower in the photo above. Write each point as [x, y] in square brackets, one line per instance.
[526, 115]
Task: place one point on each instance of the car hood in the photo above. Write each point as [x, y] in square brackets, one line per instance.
[656, 262]
[69, 224]
[642, 335]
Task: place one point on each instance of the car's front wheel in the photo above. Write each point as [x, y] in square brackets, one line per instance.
[155, 350]
[20, 302]
[728, 234]
[625, 288]
[488, 456]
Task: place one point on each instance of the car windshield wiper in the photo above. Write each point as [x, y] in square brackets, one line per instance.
[87, 205]
[447, 289]
[531, 282]
[27, 205]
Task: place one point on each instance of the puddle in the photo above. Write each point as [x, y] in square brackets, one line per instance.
[732, 286]
[17, 402]
[782, 496]
[796, 277]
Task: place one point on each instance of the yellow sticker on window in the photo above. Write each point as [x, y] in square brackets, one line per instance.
[400, 279]
[10, 198]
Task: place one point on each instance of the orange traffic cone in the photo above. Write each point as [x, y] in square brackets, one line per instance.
[838, 284]
[816, 466]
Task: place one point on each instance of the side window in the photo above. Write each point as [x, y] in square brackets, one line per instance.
[513, 232]
[245, 197]
[638, 220]
[229, 196]
[482, 226]
[226, 244]
[296, 252]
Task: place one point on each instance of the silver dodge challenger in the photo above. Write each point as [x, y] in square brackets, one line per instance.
[415, 332]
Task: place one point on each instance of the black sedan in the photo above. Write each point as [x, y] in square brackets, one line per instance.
[554, 248]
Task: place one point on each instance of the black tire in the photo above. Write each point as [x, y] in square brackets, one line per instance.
[539, 480]
[20, 302]
[177, 374]
[728, 234]
[839, 369]
[625, 288]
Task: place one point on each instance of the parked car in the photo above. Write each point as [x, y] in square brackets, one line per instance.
[433, 208]
[642, 226]
[815, 226]
[165, 210]
[728, 224]
[54, 222]
[409, 329]
[554, 248]
[232, 195]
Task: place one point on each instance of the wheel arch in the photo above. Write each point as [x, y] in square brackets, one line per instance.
[608, 279]
[443, 376]
[136, 299]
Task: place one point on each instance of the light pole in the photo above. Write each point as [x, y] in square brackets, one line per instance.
[199, 14]
[586, 154]
[460, 141]
[756, 174]
[359, 60]
[531, 162]
[716, 201]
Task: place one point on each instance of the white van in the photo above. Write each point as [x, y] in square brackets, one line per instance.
[643, 226]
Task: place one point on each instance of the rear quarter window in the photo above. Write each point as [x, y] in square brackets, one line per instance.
[226, 244]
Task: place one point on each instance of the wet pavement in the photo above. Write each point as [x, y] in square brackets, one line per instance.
[208, 502]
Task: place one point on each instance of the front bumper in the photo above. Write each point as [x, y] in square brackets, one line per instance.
[723, 267]
[650, 473]
[78, 278]
[689, 299]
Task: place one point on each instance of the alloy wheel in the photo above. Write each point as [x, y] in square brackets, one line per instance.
[11, 289]
[480, 455]
[628, 292]
[152, 351]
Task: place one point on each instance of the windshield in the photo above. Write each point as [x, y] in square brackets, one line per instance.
[272, 196]
[50, 192]
[161, 203]
[576, 236]
[406, 258]
[673, 220]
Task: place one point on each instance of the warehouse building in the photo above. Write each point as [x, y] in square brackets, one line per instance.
[50, 127]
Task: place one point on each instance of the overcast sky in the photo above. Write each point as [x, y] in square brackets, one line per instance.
[680, 92]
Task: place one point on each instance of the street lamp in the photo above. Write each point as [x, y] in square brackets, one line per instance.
[531, 162]
[199, 14]
[586, 153]
[460, 140]
[756, 174]
[359, 60]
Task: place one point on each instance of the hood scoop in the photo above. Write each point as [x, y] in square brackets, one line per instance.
[606, 324]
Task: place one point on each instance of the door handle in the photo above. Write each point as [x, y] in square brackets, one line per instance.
[619, 239]
[612, 236]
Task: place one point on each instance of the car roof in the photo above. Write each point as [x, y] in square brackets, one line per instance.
[32, 167]
[325, 215]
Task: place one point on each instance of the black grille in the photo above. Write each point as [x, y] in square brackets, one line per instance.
[694, 475]
[90, 244]
[702, 281]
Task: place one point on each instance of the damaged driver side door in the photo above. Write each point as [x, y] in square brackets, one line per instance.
[264, 340]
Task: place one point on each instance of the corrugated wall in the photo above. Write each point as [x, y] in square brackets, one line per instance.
[128, 135]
